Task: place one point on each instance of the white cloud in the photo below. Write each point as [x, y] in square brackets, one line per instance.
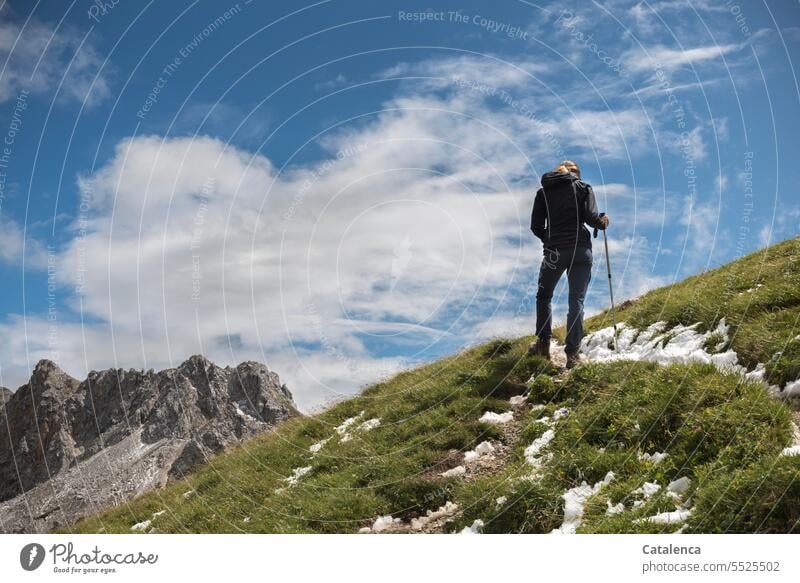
[11, 241]
[13, 244]
[193, 245]
[489, 70]
[648, 59]
[38, 57]
[410, 232]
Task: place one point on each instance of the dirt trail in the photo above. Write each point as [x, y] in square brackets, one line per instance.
[485, 465]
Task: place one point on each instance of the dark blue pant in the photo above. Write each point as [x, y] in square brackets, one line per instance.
[577, 262]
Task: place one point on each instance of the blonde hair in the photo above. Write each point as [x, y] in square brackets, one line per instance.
[568, 166]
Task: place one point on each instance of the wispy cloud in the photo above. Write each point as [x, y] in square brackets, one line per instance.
[41, 59]
[648, 59]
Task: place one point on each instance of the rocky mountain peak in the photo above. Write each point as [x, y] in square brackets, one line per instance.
[149, 427]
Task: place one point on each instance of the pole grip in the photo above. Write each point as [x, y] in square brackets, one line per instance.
[595, 229]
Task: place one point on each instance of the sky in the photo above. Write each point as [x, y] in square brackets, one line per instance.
[342, 190]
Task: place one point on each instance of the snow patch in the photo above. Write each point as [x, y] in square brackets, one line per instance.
[482, 449]
[575, 501]
[681, 345]
[453, 472]
[517, 400]
[496, 418]
[501, 500]
[370, 424]
[318, 446]
[532, 451]
[445, 511]
[475, 528]
[384, 522]
[793, 449]
[652, 457]
[680, 486]
[792, 389]
[674, 517]
[615, 509]
[646, 490]
[142, 525]
[297, 473]
[345, 425]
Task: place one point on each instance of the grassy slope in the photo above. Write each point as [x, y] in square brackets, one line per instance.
[765, 321]
[726, 435]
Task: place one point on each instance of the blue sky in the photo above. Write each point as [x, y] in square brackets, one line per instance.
[343, 189]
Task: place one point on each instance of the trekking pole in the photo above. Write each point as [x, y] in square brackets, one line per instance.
[610, 287]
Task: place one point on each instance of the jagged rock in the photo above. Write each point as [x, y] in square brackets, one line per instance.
[71, 448]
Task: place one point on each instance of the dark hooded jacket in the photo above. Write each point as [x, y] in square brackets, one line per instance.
[561, 207]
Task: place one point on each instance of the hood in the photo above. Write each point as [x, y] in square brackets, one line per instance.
[553, 178]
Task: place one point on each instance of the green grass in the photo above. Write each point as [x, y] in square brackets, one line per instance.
[724, 434]
[427, 415]
[765, 320]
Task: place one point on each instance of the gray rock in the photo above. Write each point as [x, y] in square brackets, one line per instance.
[69, 449]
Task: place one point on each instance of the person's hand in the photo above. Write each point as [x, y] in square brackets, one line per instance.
[604, 220]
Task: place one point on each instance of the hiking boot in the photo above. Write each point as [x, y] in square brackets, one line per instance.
[540, 348]
[573, 360]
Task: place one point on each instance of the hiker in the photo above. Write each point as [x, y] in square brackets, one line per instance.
[561, 207]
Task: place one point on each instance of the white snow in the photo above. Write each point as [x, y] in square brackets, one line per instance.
[793, 449]
[792, 389]
[496, 418]
[342, 429]
[757, 374]
[574, 502]
[673, 517]
[297, 473]
[681, 344]
[370, 424]
[646, 490]
[560, 413]
[453, 472]
[679, 486]
[447, 510]
[517, 400]
[501, 500]
[684, 345]
[652, 457]
[475, 528]
[384, 522]
[615, 509]
[188, 494]
[318, 446]
[482, 449]
[142, 525]
[532, 451]
[159, 513]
